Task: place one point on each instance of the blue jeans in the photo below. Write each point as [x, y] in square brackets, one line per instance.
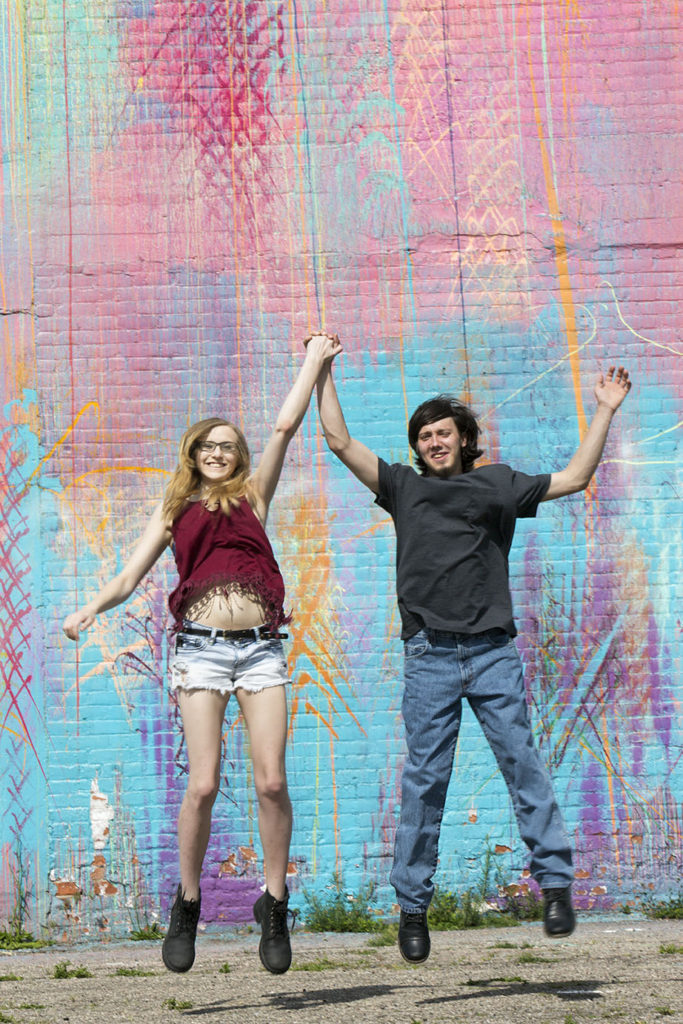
[440, 669]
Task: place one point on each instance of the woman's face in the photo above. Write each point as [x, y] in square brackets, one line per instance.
[217, 455]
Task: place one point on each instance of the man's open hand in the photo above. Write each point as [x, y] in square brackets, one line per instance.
[612, 387]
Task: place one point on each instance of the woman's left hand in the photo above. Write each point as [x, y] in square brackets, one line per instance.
[324, 346]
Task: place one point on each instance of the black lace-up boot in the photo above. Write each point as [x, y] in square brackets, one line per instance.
[177, 950]
[274, 948]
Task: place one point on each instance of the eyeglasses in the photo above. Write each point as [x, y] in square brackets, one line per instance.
[226, 447]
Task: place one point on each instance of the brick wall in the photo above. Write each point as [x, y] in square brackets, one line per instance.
[480, 197]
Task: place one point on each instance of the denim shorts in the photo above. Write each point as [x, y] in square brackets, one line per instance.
[223, 665]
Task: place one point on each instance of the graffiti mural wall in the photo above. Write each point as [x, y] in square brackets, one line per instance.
[481, 197]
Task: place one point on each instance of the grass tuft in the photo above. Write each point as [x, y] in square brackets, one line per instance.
[62, 970]
[21, 940]
[149, 931]
[340, 912]
[176, 1004]
[670, 909]
[533, 958]
[524, 906]
[321, 964]
[386, 936]
[452, 912]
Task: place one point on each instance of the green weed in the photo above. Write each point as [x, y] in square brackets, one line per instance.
[147, 932]
[224, 969]
[133, 972]
[469, 910]
[387, 936]
[533, 958]
[339, 912]
[176, 1004]
[10, 977]
[321, 964]
[670, 947]
[668, 909]
[21, 874]
[62, 970]
[664, 1011]
[525, 906]
[4, 1019]
[450, 912]
[21, 940]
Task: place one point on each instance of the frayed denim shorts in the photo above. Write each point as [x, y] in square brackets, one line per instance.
[226, 665]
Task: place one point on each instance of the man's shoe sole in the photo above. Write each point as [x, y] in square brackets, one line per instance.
[408, 960]
[560, 935]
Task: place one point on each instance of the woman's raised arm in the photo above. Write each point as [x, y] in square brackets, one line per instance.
[320, 349]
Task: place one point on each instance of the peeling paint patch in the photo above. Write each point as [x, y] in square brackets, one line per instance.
[67, 889]
[100, 883]
[101, 813]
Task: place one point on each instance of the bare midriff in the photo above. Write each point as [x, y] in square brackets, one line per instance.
[231, 610]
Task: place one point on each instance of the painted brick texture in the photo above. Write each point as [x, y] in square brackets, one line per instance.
[482, 198]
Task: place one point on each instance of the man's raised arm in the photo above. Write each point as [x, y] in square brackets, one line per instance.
[610, 391]
[360, 460]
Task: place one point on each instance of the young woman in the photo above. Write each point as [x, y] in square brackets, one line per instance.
[228, 608]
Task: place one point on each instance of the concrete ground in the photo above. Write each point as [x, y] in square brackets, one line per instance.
[624, 970]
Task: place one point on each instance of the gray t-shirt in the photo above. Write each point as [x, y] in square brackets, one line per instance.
[453, 538]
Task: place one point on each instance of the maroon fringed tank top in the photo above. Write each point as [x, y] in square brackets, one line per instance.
[232, 553]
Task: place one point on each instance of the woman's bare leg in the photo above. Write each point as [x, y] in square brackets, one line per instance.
[265, 714]
[202, 713]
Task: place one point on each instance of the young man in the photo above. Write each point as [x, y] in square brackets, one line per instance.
[454, 527]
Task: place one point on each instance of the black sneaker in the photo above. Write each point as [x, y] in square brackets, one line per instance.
[413, 936]
[177, 950]
[274, 948]
[558, 914]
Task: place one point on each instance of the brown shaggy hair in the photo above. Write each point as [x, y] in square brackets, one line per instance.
[440, 408]
[186, 480]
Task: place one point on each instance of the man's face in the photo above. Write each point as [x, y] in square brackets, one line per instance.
[440, 445]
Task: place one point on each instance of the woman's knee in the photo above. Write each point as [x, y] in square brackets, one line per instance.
[202, 790]
[272, 786]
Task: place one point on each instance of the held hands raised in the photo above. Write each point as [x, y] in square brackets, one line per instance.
[325, 346]
[612, 387]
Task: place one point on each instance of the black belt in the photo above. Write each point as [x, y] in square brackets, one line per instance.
[257, 633]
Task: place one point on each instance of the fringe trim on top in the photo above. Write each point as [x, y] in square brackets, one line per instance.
[252, 586]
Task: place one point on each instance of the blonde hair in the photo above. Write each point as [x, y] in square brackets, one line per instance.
[186, 480]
